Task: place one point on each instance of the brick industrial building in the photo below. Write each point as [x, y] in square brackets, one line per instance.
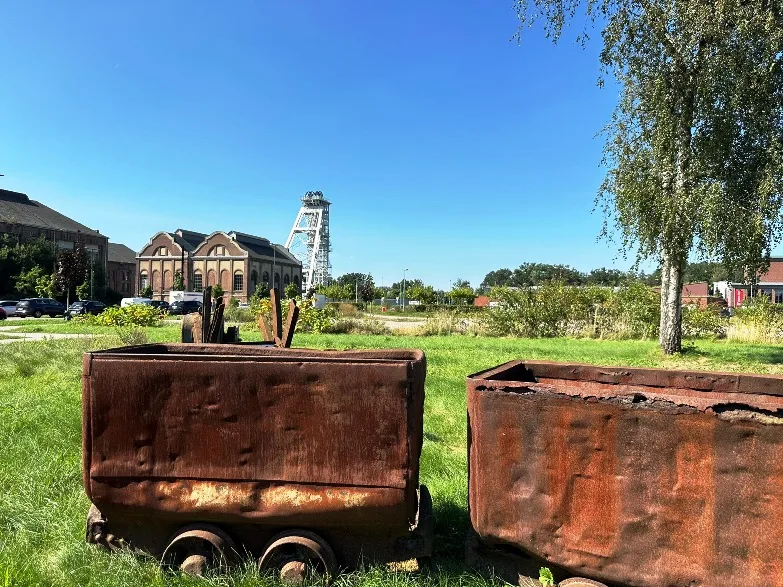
[238, 262]
[768, 284]
[27, 219]
[121, 269]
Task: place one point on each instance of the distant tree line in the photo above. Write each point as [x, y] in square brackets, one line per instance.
[530, 274]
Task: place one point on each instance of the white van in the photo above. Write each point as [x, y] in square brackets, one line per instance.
[134, 301]
[185, 296]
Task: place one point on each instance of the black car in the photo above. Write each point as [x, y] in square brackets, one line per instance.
[86, 307]
[186, 307]
[161, 305]
[37, 307]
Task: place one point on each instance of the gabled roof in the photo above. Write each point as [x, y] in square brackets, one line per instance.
[18, 208]
[121, 254]
[188, 239]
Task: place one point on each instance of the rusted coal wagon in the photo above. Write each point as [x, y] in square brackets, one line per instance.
[638, 477]
[307, 460]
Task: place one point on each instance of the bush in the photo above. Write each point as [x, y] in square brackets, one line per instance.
[703, 322]
[556, 309]
[757, 320]
[137, 315]
[311, 319]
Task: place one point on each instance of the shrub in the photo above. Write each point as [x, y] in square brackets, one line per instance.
[757, 320]
[703, 322]
[138, 315]
[311, 319]
[556, 309]
[233, 303]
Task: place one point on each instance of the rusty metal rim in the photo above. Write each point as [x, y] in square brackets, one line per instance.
[207, 540]
[310, 548]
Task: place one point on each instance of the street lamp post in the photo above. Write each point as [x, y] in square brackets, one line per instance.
[403, 288]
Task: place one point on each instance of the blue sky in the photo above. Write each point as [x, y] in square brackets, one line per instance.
[443, 145]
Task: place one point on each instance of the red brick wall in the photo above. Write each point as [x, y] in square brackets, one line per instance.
[775, 273]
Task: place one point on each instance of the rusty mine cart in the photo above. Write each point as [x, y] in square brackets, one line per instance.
[200, 454]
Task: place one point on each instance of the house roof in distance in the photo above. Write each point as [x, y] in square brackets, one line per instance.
[18, 208]
[119, 253]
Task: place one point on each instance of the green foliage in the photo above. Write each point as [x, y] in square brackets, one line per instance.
[462, 295]
[233, 303]
[27, 282]
[146, 292]
[217, 291]
[694, 149]
[178, 284]
[83, 291]
[757, 320]
[132, 335]
[703, 322]
[18, 257]
[291, 291]
[46, 286]
[135, 315]
[545, 577]
[311, 319]
[337, 293]
[424, 294]
[556, 309]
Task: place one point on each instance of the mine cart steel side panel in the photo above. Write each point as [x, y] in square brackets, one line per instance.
[278, 436]
[633, 476]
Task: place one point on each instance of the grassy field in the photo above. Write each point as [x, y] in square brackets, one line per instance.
[42, 504]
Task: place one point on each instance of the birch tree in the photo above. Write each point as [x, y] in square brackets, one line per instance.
[694, 149]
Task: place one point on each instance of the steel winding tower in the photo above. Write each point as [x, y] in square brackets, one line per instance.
[309, 240]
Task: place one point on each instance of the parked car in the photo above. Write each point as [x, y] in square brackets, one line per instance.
[161, 305]
[3, 314]
[37, 307]
[185, 307]
[9, 306]
[93, 307]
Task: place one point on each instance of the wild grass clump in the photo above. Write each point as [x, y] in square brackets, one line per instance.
[358, 326]
[132, 335]
[450, 321]
[757, 320]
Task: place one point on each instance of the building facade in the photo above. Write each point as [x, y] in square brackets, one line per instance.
[769, 283]
[27, 219]
[239, 262]
[121, 269]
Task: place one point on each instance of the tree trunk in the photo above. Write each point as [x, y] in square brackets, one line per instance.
[671, 304]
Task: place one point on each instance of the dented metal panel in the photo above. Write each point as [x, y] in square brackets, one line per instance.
[253, 433]
[632, 476]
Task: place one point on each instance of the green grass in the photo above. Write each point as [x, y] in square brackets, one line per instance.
[43, 506]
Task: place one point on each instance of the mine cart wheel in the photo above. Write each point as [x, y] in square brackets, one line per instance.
[197, 548]
[298, 555]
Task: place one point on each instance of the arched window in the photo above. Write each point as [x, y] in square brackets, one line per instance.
[156, 280]
[298, 282]
[286, 280]
[277, 281]
[265, 278]
[225, 280]
[143, 280]
[167, 280]
[238, 281]
[211, 277]
[254, 277]
[198, 281]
